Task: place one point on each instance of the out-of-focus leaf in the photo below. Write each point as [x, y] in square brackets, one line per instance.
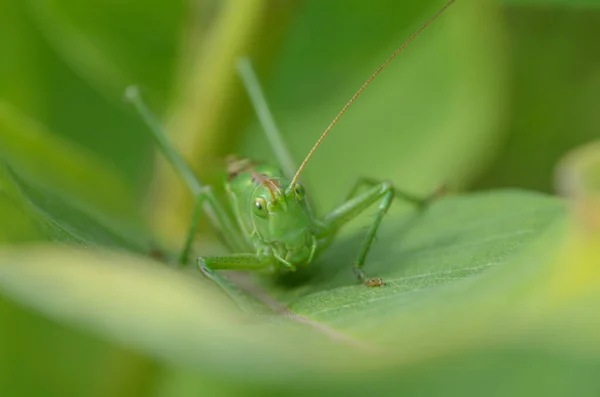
[69, 192]
[19, 70]
[565, 4]
[41, 357]
[555, 93]
[167, 313]
[54, 164]
[112, 47]
[75, 97]
[181, 319]
[29, 214]
[20, 222]
[38, 356]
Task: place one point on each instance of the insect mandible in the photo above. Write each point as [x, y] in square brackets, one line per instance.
[274, 228]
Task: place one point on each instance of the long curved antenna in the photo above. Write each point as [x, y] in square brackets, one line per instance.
[366, 83]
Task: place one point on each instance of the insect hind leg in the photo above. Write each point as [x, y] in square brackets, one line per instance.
[357, 202]
[257, 98]
[419, 201]
[203, 195]
[205, 201]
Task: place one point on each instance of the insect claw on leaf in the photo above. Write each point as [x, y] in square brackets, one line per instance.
[369, 282]
[374, 282]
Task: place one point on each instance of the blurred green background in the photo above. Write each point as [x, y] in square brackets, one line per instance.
[490, 96]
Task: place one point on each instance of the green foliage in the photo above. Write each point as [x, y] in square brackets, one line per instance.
[487, 293]
[164, 312]
[554, 98]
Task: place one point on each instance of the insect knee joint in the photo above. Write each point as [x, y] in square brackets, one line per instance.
[387, 186]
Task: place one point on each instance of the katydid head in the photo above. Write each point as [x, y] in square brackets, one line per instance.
[365, 84]
[280, 217]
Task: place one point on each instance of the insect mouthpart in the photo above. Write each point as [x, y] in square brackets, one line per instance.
[296, 246]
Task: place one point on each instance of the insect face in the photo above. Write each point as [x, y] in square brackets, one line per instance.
[281, 218]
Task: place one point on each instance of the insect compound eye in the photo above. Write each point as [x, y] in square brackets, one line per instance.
[260, 207]
[299, 191]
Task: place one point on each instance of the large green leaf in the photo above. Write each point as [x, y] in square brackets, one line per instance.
[29, 344]
[494, 275]
[460, 260]
[65, 183]
[486, 294]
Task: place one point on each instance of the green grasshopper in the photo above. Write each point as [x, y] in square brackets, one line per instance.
[274, 229]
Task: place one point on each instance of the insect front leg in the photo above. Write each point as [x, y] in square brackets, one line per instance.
[420, 201]
[354, 205]
[209, 264]
[203, 195]
[205, 201]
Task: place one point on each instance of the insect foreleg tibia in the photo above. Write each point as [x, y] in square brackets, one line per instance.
[184, 256]
[357, 203]
[203, 195]
[231, 262]
[236, 261]
[206, 201]
[376, 186]
[349, 210]
[209, 264]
